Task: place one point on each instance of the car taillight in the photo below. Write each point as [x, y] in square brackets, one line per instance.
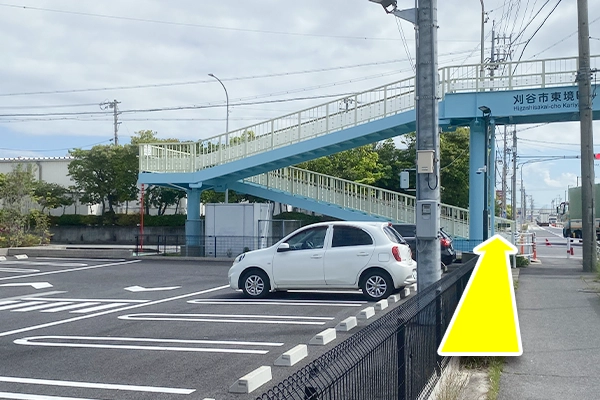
[445, 242]
[396, 253]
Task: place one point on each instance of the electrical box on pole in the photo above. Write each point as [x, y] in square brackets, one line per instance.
[427, 211]
[425, 160]
[404, 180]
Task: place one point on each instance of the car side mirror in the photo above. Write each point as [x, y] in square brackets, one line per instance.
[283, 247]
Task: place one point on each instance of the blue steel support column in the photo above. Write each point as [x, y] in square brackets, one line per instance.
[476, 162]
[192, 223]
[492, 177]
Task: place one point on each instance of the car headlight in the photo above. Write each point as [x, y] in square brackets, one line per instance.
[239, 258]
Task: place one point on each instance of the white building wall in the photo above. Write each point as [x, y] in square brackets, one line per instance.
[56, 170]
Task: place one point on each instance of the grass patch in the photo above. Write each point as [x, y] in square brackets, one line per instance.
[496, 366]
[493, 365]
[453, 385]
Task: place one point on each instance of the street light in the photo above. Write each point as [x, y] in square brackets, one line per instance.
[227, 98]
[388, 5]
[226, 126]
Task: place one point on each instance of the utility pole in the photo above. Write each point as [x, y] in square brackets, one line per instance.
[114, 105]
[504, 172]
[587, 141]
[514, 177]
[427, 215]
[428, 146]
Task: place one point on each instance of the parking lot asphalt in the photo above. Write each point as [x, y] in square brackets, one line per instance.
[144, 329]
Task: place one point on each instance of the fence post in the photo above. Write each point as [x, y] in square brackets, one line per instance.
[438, 325]
[401, 360]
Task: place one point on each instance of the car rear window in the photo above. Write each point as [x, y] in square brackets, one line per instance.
[408, 230]
[393, 235]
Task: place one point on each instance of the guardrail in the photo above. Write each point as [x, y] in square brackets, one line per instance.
[360, 108]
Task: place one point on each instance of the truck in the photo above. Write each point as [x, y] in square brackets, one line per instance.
[571, 215]
[542, 218]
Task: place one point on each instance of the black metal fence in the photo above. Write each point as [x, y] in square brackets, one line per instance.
[395, 357]
[201, 246]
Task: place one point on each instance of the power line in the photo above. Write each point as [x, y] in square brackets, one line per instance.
[195, 82]
[537, 30]
[63, 149]
[190, 25]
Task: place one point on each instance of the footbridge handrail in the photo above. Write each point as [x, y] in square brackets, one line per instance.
[380, 102]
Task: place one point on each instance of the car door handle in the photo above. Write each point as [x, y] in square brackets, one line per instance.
[316, 256]
[362, 254]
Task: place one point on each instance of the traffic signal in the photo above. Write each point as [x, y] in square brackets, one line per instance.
[596, 156]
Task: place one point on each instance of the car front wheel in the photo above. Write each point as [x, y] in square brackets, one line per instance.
[255, 284]
[377, 285]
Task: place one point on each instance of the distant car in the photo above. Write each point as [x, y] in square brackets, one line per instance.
[409, 233]
[329, 255]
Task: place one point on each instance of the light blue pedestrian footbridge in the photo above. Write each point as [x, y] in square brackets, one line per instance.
[259, 159]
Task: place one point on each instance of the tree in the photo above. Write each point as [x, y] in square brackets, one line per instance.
[358, 165]
[161, 198]
[454, 167]
[148, 136]
[16, 189]
[393, 161]
[51, 195]
[105, 175]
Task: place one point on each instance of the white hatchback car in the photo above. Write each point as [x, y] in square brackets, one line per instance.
[370, 256]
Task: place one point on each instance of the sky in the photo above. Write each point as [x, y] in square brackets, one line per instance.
[63, 60]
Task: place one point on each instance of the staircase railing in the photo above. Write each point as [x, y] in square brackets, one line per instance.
[352, 196]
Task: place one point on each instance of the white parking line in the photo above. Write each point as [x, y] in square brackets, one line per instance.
[39, 307]
[18, 305]
[94, 300]
[85, 343]
[45, 263]
[29, 396]
[98, 308]
[69, 307]
[19, 270]
[71, 270]
[49, 324]
[81, 259]
[90, 385]
[319, 303]
[248, 319]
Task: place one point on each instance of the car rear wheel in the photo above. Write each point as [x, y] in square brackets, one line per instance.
[255, 284]
[377, 285]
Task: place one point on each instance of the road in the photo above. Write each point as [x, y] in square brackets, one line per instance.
[551, 243]
[118, 329]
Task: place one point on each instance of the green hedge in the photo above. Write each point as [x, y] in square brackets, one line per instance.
[118, 220]
[305, 218]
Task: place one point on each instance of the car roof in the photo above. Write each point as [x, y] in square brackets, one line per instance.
[355, 223]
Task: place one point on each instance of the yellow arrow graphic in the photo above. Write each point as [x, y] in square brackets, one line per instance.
[485, 322]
